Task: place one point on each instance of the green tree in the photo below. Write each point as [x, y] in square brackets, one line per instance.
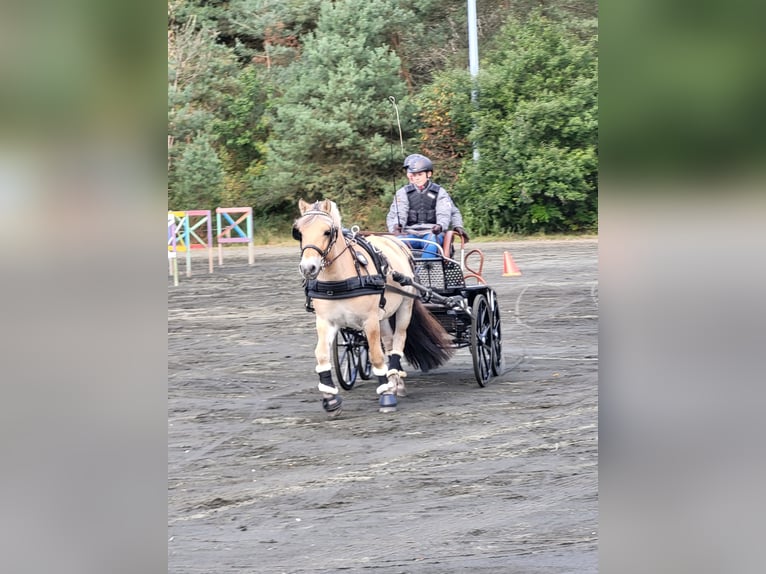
[291, 98]
[536, 129]
[241, 132]
[199, 179]
[269, 32]
[202, 78]
[445, 112]
[332, 130]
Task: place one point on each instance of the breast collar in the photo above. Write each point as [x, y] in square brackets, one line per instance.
[362, 284]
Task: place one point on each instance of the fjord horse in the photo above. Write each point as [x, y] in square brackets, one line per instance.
[351, 286]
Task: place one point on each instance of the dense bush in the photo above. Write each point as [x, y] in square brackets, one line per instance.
[537, 133]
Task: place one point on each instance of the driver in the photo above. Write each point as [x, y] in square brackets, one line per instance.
[422, 209]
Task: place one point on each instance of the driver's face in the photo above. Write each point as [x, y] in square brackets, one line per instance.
[419, 178]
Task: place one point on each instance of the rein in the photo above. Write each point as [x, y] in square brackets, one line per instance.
[402, 292]
[334, 259]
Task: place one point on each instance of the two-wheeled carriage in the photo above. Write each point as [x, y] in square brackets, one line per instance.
[377, 301]
[452, 288]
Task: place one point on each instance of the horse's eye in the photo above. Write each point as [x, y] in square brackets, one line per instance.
[327, 233]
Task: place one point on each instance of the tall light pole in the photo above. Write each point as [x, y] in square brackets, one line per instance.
[473, 61]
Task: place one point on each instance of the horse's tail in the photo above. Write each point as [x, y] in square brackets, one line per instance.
[428, 345]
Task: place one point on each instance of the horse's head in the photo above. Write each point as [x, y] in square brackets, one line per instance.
[317, 229]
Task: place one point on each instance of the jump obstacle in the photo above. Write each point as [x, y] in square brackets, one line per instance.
[224, 233]
[193, 229]
[172, 249]
[189, 226]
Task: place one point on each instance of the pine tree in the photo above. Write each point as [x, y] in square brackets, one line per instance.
[202, 74]
[332, 131]
[199, 177]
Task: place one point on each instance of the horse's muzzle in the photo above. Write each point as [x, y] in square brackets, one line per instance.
[309, 269]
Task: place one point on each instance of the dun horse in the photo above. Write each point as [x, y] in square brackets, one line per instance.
[350, 283]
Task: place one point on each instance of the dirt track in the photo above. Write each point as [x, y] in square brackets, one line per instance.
[501, 479]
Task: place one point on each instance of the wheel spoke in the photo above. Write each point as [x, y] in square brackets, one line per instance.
[481, 340]
[363, 365]
[345, 358]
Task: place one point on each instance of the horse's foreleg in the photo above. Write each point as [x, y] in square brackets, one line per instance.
[386, 388]
[331, 400]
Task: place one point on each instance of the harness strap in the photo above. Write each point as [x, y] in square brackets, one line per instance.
[353, 287]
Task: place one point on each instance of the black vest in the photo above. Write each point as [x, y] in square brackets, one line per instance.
[422, 204]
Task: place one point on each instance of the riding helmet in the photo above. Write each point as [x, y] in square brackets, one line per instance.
[416, 163]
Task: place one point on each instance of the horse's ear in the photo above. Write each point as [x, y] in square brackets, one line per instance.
[334, 211]
[303, 206]
[326, 206]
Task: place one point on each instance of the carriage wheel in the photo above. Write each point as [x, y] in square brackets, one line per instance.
[497, 336]
[481, 340]
[363, 364]
[345, 356]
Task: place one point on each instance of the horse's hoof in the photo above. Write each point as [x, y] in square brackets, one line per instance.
[387, 403]
[332, 404]
[401, 391]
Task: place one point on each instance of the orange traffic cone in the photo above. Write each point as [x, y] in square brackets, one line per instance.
[509, 267]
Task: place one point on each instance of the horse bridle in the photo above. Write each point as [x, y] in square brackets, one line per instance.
[298, 236]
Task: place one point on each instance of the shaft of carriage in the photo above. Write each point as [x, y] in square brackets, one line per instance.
[428, 295]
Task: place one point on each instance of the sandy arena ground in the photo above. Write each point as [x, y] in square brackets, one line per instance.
[501, 479]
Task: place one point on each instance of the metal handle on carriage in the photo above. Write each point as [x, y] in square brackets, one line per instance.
[429, 294]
